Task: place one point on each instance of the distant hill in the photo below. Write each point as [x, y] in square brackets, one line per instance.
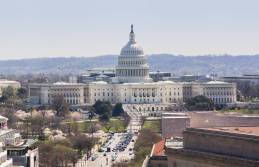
[222, 65]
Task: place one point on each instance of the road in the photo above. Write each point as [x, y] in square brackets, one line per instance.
[104, 159]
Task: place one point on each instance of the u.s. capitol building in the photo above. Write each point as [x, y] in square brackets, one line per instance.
[132, 85]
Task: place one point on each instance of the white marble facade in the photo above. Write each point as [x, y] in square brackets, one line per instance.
[164, 92]
[132, 63]
[132, 85]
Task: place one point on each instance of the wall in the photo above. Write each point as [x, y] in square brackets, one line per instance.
[225, 143]
[212, 119]
[173, 126]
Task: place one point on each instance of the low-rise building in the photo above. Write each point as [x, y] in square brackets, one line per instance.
[157, 157]
[219, 92]
[216, 147]
[5, 83]
[252, 79]
[4, 161]
[159, 76]
[43, 94]
[162, 92]
[191, 78]
[173, 124]
[22, 152]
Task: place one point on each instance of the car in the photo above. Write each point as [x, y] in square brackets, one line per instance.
[114, 157]
[94, 157]
[100, 150]
[108, 149]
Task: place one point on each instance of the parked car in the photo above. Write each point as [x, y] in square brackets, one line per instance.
[94, 157]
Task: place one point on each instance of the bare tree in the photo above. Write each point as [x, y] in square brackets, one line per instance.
[92, 129]
[60, 106]
[83, 144]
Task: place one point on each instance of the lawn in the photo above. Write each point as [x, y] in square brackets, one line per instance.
[84, 126]
[114, 125]
[241, 111]
[153, 125]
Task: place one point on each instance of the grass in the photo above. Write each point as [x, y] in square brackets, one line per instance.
[153, 125]
[241, 111]
[114, 125]
[84, 126]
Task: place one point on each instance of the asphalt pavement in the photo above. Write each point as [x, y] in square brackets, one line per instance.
[121, 145]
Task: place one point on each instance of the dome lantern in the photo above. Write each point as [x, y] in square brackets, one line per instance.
[132, 47]
[132, 35]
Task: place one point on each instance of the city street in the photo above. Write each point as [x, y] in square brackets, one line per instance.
[117, 152]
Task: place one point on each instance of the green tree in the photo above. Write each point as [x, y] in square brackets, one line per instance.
[91, 113]
[105, 117]
[200, 102]
[22, 93]
[117, 109]
[9, 96]
[102, 107]
[8, 93]
[125, 119]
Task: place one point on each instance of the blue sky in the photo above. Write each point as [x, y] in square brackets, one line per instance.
[62, 28]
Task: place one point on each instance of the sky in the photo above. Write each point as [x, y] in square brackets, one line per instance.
[86, 28]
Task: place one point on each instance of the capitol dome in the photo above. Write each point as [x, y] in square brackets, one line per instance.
[132, 63]
[132, 47]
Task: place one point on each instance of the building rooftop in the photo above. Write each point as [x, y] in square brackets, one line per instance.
[158, 148]
[175, 142]
[100, 82]
[254, 131]
[4, 81]
[66, 83]
[5, 131]
[3, 118]
[21, 144]
[176, 117]
[216, 82]
[150, 83]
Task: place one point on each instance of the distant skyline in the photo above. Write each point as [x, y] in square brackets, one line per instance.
[84, 28]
